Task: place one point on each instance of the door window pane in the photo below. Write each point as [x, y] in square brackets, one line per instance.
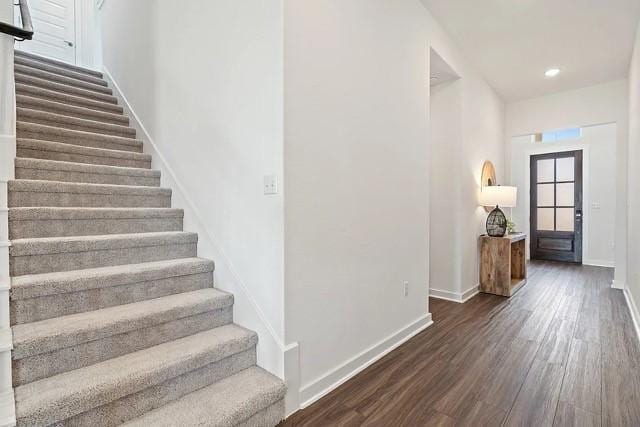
[545, 219]
[545, 170]
[565, 194]
[545, 194]
[564, 219]
[565, 169]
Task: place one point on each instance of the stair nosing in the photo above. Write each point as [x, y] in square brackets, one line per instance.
[78, 134]
[44, 186]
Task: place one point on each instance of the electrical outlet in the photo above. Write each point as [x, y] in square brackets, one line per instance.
[406, 288]
[270, 184]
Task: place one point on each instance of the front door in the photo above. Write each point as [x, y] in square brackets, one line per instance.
[556, 206]
[53, 29]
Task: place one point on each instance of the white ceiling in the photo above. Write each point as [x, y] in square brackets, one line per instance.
[513, 42]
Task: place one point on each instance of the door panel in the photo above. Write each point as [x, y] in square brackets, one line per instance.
[556, 206]
[54, 29]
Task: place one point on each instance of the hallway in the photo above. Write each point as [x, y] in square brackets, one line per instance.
[563, 351]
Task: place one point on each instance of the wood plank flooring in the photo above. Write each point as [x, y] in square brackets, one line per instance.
[562, 352]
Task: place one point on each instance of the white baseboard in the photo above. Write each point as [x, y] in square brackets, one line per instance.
[618, 284]
[598, 263]
[7, 409]
[339, 375]
[459, 297]
[633, 308]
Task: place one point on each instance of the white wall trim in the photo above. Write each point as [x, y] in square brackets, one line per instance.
[7, 413]
[345, 371]
[599, 263]
[618, 284]
[459, 297]
[257, 319]
[633, 308]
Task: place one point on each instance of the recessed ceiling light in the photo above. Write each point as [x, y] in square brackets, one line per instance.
[552, 72]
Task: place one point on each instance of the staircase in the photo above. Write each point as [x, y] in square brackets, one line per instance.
[115, 320]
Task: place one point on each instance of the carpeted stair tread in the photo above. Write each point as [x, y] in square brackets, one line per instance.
[51, 254]
[56, 398]
[35, 186]
[39, 285]
[62, 109]
[51, 68]
[59, 78]
[64, 88]
[49, 150]
[55, 62]
[54, 165]
[69, 99]
[26, 130]
[48, 335]
[75, 244]
[228, 402]
[74, 123]
[40, 222]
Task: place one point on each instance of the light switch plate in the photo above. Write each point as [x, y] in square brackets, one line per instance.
[270, 184]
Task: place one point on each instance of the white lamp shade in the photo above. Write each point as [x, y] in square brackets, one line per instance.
[499, 195]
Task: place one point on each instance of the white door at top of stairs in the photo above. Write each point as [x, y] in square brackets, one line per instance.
[54, 29]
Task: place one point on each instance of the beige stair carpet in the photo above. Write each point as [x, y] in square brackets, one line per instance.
[115, 319]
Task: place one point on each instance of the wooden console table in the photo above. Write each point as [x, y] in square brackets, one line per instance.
[503, 265]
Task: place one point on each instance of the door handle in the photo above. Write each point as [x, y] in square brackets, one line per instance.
[578, 213]
[70, 44]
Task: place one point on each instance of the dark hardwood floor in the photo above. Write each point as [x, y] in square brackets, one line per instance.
[562, 352]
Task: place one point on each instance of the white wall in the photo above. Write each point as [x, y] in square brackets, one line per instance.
[205, 80]
[633, 276]
[598, 144]
[599, 104]
[357, 170]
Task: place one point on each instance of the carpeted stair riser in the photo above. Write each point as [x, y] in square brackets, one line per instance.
[270, 416]
[58, 222]
[46, 150]
[54, 399]
[25, 193]
[30, 63]
[61, 97]
[58, 78]
[39, 104]
[238, 400]
[66, 89]
[56, 63]
[73, 123]
[84, 346]
[134, 405]
[45, 296]
[49, 170]
[75, 137]
[36, 256]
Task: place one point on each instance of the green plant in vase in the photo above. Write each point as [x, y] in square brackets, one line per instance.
[511, 227]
